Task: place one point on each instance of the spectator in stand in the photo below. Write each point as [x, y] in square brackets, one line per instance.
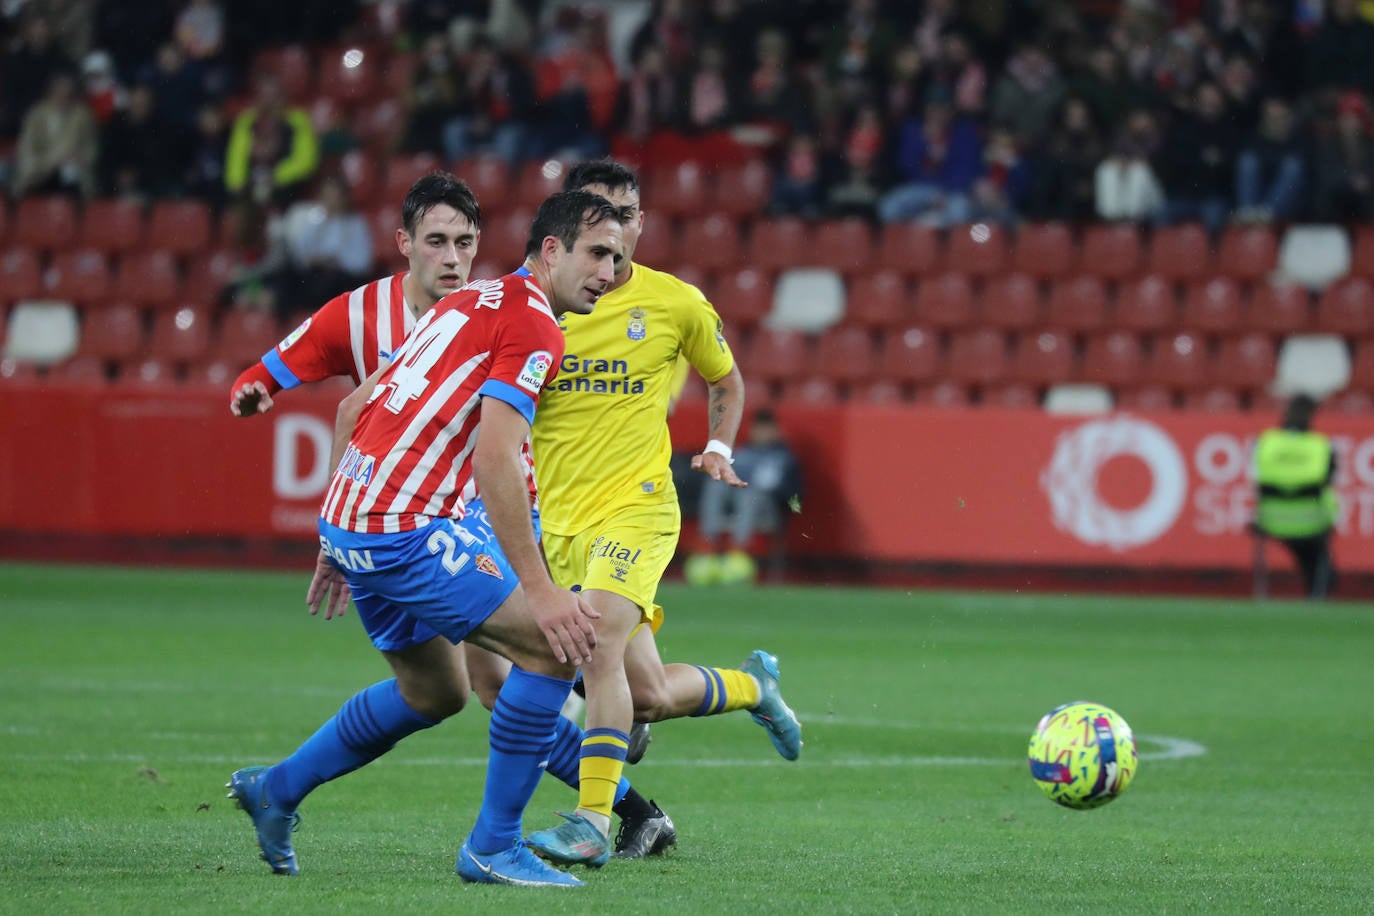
[939, 157]
[178, 84]
[199, 30]
[138, 157]
[1345, 164]
[734, 27]
[576, 85]
[203, 174]
[1341, 53]
[1271, 170]
[959, 73]
[27, 71]
[774, 99]
[321, 247]
[433, 97]
[936, 18]
[272, 150]
[1240, 86]
[104, 95]
[710, 97]
[857, 49]
[1028, 95]
[854, 188]
[670, 29]
[906, 86]
[1199, 156]
[797, 184]
[1102, 83]
[1000, 192]
[1062, 184]
[495, 100]
[57, 147]
[649, 101]
[1125, 183]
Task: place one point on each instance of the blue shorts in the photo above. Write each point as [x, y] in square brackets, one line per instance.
[444, 579]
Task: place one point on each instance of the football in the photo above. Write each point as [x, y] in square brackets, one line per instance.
[1082, 755]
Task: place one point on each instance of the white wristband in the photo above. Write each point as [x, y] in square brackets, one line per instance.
[715, 446]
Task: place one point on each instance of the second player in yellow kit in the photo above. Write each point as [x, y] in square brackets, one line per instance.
[610, 512]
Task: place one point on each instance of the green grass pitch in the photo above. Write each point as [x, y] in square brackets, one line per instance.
[128, 696]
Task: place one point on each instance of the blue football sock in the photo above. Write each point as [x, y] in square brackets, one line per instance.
[523, 727]
[367, 726]
[566, 755]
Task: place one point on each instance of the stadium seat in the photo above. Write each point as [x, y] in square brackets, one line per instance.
[1010, 302]
[504, 234]
[779, 244]
[81, 369]
[1362, 259]
[216, 374]
[359, 171]
[1110, 251]
[881, 300]
[944, 302]
[1077, 304]
[46, 223]
[1115, 358]
[1148, 397]
[245, 335]
[909, 248]
[180, 335]
[909, 355]
[382, 224]
[1278, 308]
[18, 372]
[112, 333]
[211, 272]
[1044, 250]
[1350, 401]
[1179, 361]
[657, 246]
[1246, 362]
[112, 225]
[537, 181]
[1362, 365]
[1043, 358]
[4, 223]
[179, 226]
[742, 191]
[845, 354]
[150, 372]
[490, 180]
[808, 299]
[878, 391]
[399, 72]
[845, 245]
[711, 242]
[1347, 307]
[41, 332]
[943, 394]
[1247, 253]
[1313, 256]
[81, 276]
[1213, 306]
[1011, 396]
[380, 125]
[1315, 364]
[400, 173]
[148, 278]
[976, 249]
[743, 297]
[1146, 304]
[20, 275]
[978, 357]
[293, 68]
[1078, 398]
[1180, 254]
[1213, 400]
[778, 355]
[678, 190]
[694, 276]
[350, 75]
[813, 391]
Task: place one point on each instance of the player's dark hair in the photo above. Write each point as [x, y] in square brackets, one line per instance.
[439, 188]
[1298, 413]
[566, 215]
[608, 172]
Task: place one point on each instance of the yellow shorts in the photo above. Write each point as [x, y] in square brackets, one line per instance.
[625, 554]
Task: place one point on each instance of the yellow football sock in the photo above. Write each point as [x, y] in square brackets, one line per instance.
[727, 689]
[602, 762]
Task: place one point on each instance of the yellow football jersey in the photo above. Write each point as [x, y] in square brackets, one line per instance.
[601, 433]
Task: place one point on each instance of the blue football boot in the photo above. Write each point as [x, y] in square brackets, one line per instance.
[273, 823]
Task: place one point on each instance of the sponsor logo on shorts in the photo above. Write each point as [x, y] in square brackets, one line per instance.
[621, 558]
[536, 370]
[487, 565]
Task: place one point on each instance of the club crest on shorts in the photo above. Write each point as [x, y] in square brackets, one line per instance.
[636, 329]
[536, 370]
[487, 565]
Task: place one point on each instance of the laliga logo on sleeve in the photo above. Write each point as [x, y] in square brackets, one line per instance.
[295, 335]
[1071, 482]
[536, 370]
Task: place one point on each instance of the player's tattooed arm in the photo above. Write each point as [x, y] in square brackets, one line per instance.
[724, 412]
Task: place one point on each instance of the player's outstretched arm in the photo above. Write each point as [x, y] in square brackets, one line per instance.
[725, 412]
[563, 617]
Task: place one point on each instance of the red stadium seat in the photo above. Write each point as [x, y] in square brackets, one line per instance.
[1043, 358]
[112, 225]
[1111, 252]
[879, 300]
[1353, 401]
[844, 245]
[678, 190]
[943, 394]
[778, 355]
[845, 354]
[1362, 257]
[977, 249]
[743, 297]
[538, 181]
[1362, 365]
[4, 223]
[1347, 307]
[244, 336]
[1146, 304]
[148, 278]
[399, 72]
[180, 335]
[490, 179]
[909, 355]
[293, 68]
[212, 271]
[945, 301]
[359, 171]
[1010, 302]
[1213, 306]
[21, 276]
[813, 391]
[1147, 397]
[711, 242]
[1180, 254]
[1248, 253]
[694, 276]
[351, 75]
[81, 369]
[742, 191]
[47, 223]
[380, 125]
[879, 391]
[1179, 361]
[383, 224]
[504, 234]
[1044, 250]
[81, 276]
[657, 245]
[179, 226]
[909, 248]
[1213, 400]
[779, 244]
[216, 374]
[1077, 304]
[1012, 396]
[401, 172]
[113, 333]
[978, 357]
[1246, 362]
[1115, 358]
[1283, 308]
[150, 372]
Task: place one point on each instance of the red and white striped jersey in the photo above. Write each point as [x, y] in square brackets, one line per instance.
[410, 457]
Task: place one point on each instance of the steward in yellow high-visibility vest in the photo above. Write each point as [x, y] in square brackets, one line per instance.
[1296, 504]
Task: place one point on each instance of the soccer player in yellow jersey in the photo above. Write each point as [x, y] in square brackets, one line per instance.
[611, 517]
